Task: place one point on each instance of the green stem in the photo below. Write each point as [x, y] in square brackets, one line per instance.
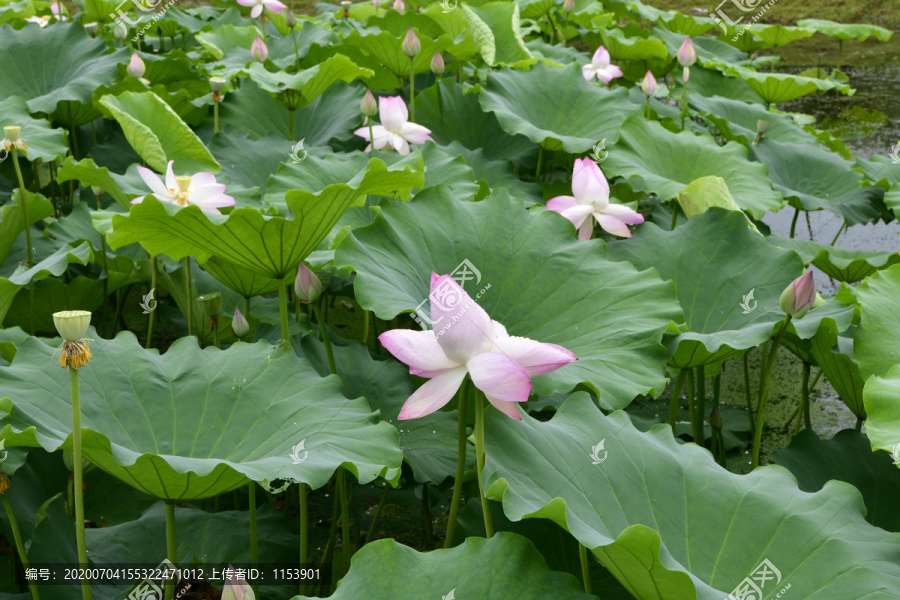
[78, 492]
[20, 547]
[24, 197]
[72, 130]
[764, 393]
[692, 410]
[585, 569]
[365, 337]
[254, 543]
[303, 493]
[371, 135]
[152, 316]
[291, 123]
[215, 116]
[214, 321]
[247, 307]
[537, 171]
[700, 410]
[321, 323]
[377, 514]
[676, 397]
[345, 518]
[479, 461]
[412, 90]
[190, 294]
[427, 529]
[328, 555]
[171, 546]
[841, 229]
[815, 380]
[804, 386]
[859, 424]
[648, 108]
[794, 221]
[461, 447]
[283, 314]
[674, 215]
[684, 108]
[296, 51]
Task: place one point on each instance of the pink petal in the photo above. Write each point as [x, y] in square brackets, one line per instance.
[415, 134]
[537, 357]
[153, 182]
[392, 111]
[588, 182]
[418, 349]
[398, 143]
[624, 214]
[510, 409]
[202, 179]
[609, 73]
[586, 230]
[500, 376]
[461, 326]
[561, 203]
[588, 72]
[433, 394]
[137, 200]
[600, 60]
[256, 11]
[274, 6]
[247, 2]
[382, 136]
[577, 214]
[363, 132]
[171, 183]
[612, 225]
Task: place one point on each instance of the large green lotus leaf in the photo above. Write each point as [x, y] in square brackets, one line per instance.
[16, 10]
[495, 27]
[53, 295]
[429, 444]
[882, 400]
[544, 284]
[556, 108]
[386, 47]
[222, 39]
[453, 116]
[845, 265]
[316, 172]
[656, 160]
[244, 282]
[55, 264]
[195, 423]
[715, 261]
[44, 142]
[846, 457]
[43, 75]
[252, 110]
[846, 31]
[880, 170]
[89, 174]
[248, 163]
[271, 246]
[12, 219]
[674, 20]
[737, 119]
[876, 345]
[180, 99]
[498, 174]
[832, 350]
[377, 569]
[710, 83]
[775, 35]
[158, 134]
[709, 50]
[621, 47]
[311, 82]
[781, 87]
[819, 179]
[665, 519]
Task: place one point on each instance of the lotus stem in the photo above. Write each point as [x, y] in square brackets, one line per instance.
[377, 514]
[20, 547]
[841, 229]
[427, 529]
[365, 337]
[648, 108]
[859, 424]
[674, 215]
[302, 493]
[794, 221]
[105, 266]
[254, 541]
[412, 91]
[371, 134]
[74, 137]
[700, 409]
[328, 555]
[537, 171]
[764, 393]
[461, 447]
[78, 492]
[804, 388]
[345, 518]
[247, 308]
[215, 116]
[171, 547]
[676, 397]
[24, 196]
[684, 107]
[324, 329]
[585, 569]
[152, 316]
[190, 295]
[691, 399]
[214, 325]
[479, 461]
[283, 313]
[296, 51]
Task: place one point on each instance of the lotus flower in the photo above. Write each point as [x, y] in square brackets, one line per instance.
[437, 64]
[600, 67]
[799, 296]
[687, 55]
[411, 45]
[42, 21]
[648, 85]
[258, 50]
[307, 285]
[239, 325]
[136, 67]
[236, 588]
[399, 6]
[368, 106]
[200, 190]
[591, 197]
[395, 127]
[272, 6]
[466, 340]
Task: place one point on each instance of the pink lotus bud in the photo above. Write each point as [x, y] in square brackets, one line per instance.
[437, 64]
[236, 588]
[369, 106]
[798, 297]
[136, 67]
[258, 50]
[307, 285]
[568, 6]
[239, 325]
[648, 85]
[290, 19]
[376, 4]
[399, 6]
[411, 45]
[687, 55]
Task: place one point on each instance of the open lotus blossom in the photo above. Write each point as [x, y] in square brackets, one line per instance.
[395, 128]
[466, 340]
[591, 197]
[600, 67]
[200, 190]
[272, 6]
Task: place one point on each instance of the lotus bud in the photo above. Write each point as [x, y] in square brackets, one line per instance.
[376, 4]
[437, 64]
[798, 297]
[368, 106]
[136, 67]
[72, 325]
[98, 191]
[91, 28]
[399, 6]
[210, 304]
[120, 33]
[235, 587]
[648, 85]
[307, 285]
[762, 127]
[411, 45]
[239, 325]
[12, 132]
[716, 420]
[345, 4]
[290, 19]
[687, 55]
[568, 6]
[258, 50]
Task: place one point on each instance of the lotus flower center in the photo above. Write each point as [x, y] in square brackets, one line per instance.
[183, 191]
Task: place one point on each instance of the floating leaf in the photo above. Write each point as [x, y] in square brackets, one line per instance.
[495, 27]
[845, 265]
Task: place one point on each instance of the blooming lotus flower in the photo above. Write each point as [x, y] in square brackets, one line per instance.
[591, 197]
[648, 85]
[272, 6]
[58, 10]
[466, 340]
[42, 21]
[136, 67]
[395, 127]
[258, 50]
[236, 588]
[600, 67]
[799, 296]
[399, 6]
[687, 55]
[200, 190]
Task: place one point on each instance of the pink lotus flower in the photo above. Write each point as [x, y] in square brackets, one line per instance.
[600, 67]
[466, 340]
[395, 127]
[236, 588]
[258, 50]
[399, 6]
[200, 190]
[272, 6]
[799, 296]
[591, 197]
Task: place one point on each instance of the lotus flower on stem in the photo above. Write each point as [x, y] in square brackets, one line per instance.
[687, 56]
[395, 128]
[258, 50]
[236, 588]
[136, 68]
[271, 6]
[591, 198]
[199, 189]
[600, 67]
[399, 6]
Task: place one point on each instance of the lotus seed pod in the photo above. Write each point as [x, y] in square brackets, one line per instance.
[210, 304]
[72, 324]
[12, 132]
